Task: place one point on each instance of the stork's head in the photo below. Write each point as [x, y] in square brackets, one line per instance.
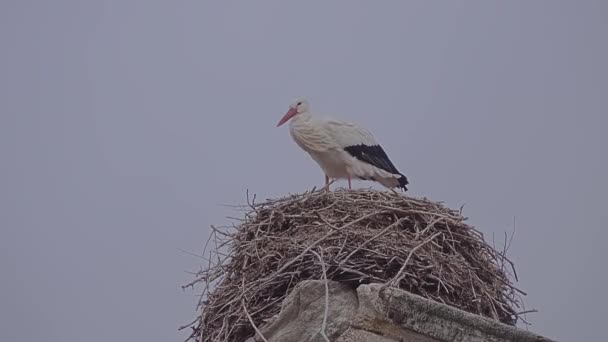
[300, 105]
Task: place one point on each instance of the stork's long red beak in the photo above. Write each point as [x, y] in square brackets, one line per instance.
[290, 114]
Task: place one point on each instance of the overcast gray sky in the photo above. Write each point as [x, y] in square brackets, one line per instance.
[124, 125]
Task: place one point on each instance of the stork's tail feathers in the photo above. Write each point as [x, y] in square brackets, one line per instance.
[389, 182]
[403, 182]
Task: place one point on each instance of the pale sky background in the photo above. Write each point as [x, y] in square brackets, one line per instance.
[124, 125]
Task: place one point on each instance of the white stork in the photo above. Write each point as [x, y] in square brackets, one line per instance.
[342, 149]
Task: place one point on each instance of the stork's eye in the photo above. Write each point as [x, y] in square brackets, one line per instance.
[299, 103]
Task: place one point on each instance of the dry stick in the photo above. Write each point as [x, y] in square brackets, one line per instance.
[527, 311]
[371, 239]
[251, 321]
[397, 277]
[194, 282]
[247, 313]
[325, 221]
[251, 204]
[509, 246]
[218, 231]
[421, 212]
[193, 254]
[292, 261]
[430, 225]
[188, 325]
[324, 324]
[524, 319]
[200, 301]
[204, 292]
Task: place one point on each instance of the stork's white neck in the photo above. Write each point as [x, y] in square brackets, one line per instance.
[301, 118]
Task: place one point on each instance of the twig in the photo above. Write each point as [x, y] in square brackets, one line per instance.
[188, 325]
[431, 225]
[526, 312]
[370, 240]
[247, 313]
[251, 321]
[290, 262]
[397, 277]
[251, 203]
[324, 324]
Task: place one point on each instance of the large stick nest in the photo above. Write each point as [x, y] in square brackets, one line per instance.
[362, 236]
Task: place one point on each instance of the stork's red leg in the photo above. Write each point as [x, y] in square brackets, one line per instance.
[349, 187]
[326, 183]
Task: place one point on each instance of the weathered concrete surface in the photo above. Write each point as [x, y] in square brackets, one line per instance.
[303, 310]
[397, 312]
[356, 335]
[376, 314]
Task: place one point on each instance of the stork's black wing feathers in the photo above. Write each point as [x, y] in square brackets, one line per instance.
[373, 155]
[376, 156]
